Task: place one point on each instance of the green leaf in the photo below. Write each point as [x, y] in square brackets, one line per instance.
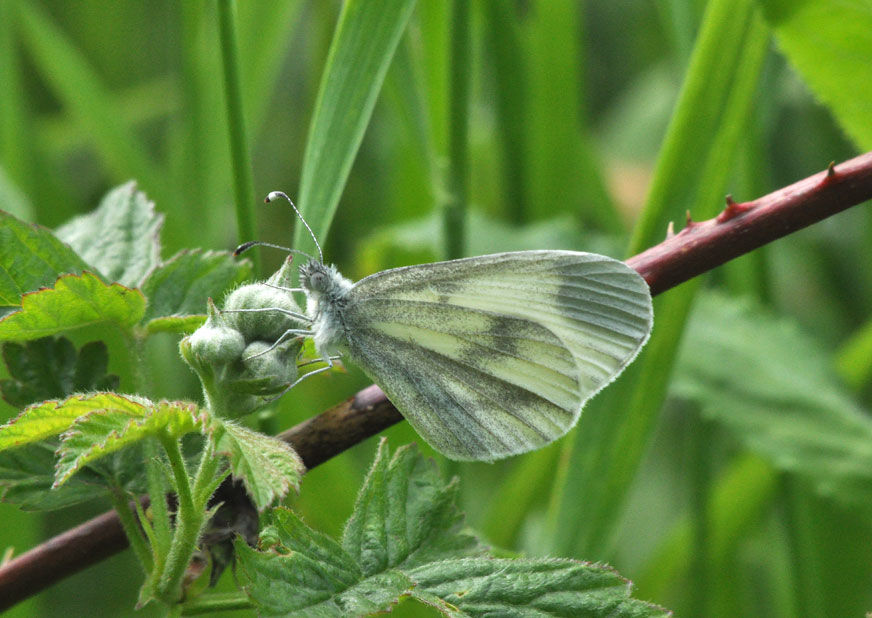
[311, 575]
[829, 42]
[120, 238]
[774, 389]
[27, 476]
[268, 467]
[74, 302]
[363, 45]
[50, 418]
[31, 257]
[405, 515]
[405, 539]
[527, 588]
[178, 288]
[118, 425]
[52, 369]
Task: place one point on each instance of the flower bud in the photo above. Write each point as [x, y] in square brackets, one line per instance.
[214, 343]
[268, 322]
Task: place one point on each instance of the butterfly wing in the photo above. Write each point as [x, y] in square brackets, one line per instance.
[495, 355]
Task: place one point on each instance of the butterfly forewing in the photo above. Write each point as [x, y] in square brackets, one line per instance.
[496, 355]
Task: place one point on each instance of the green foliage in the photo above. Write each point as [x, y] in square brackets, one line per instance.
[52, 368]
[120, 238]
[268, 467]
[115, 425]
[405, 539]
[809, 31]
[175, 289]
[75, 301]
[32, 258]
[772, 387]
[756, 506]
[50, 418]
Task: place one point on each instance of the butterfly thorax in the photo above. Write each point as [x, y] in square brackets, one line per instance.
[325, 289]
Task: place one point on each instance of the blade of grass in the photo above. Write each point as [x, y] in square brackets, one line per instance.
[561, 161]
[415, 165]
[264, 29]
[504, 44]
[366, 36]
[199, 154]
[81, 91]
[691, 172]
[454, 212]
[243, 183]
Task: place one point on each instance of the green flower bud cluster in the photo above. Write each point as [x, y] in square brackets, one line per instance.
[235, 353]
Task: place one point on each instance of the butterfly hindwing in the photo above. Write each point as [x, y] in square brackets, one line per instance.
[496, 355]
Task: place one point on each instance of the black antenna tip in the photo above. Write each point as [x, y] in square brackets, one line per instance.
[244, 247]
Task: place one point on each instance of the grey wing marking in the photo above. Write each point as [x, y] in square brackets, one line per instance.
[480, 387]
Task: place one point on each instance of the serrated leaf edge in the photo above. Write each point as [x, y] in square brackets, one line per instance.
[76, 465]
[82, 397]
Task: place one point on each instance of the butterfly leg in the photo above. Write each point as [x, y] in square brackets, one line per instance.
[285, 335]
[327, 367]
[291, 314]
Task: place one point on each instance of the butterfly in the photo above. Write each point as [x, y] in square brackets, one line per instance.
[487, 356]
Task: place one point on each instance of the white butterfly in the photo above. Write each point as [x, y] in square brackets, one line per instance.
[487, 356]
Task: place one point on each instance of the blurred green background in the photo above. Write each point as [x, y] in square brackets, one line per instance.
[733, 477]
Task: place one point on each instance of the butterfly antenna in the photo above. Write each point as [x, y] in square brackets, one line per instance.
[259, 243]
[276, 194]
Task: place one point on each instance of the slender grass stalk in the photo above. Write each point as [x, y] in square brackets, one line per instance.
[801, 532]
[243, 183]
[458, 127]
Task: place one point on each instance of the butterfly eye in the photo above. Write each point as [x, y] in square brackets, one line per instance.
[318, 281]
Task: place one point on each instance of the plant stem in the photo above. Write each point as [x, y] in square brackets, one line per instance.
[188, 522]
[120, 501]
[215, 603]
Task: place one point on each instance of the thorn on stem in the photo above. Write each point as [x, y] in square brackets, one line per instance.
[732, 210]
[688, 220]
[831, 169]
[670, 230]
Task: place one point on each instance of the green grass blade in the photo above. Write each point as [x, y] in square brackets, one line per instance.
[243, 183]
[563, 172]
[691, 173]
[366, 37]
[264, 29]
[454, 213]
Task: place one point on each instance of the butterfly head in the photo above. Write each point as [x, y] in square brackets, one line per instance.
[325, 288]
